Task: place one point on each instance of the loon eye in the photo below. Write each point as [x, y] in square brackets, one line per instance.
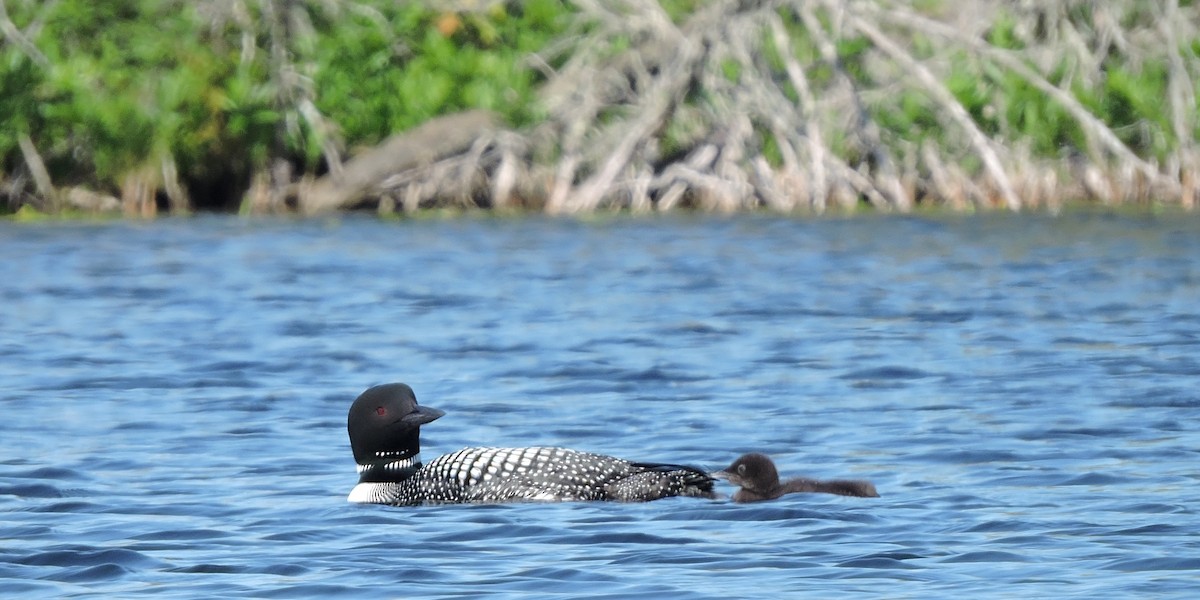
[741, 469]
[379, 410]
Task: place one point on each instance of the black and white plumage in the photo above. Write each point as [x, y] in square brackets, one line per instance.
[384, 427]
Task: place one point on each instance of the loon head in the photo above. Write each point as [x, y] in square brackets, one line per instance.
[752, 471]
[385, 424]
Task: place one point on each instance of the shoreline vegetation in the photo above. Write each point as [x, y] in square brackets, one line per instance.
[141, 107]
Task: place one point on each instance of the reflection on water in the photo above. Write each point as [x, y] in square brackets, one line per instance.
[1020, 389]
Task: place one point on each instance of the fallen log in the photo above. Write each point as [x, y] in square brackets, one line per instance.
[421, 146]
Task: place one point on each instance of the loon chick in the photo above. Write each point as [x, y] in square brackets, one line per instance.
[759, 480]
[384, 425]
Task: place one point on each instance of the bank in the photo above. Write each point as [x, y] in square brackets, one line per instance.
[140, 107]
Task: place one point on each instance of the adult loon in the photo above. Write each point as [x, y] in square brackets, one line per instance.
[384, 425]
[759, 480]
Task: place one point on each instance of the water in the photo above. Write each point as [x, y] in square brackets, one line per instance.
[1022, 390]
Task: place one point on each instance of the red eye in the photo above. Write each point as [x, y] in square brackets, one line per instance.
[379, 410]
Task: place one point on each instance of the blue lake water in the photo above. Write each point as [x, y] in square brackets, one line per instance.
[1023, 391]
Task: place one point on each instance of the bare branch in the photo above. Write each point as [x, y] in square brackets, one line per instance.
[10, 31]
[37, 168]
[956, 112]
[816, 142]
[1086, 119]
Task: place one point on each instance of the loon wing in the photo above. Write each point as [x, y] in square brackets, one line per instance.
[536, 473]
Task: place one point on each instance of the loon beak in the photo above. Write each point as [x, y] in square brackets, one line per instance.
[733, 478]
[421, 415]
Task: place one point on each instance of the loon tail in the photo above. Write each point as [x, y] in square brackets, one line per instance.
[680, 480]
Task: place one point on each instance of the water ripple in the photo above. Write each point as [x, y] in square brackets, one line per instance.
[1020, 389]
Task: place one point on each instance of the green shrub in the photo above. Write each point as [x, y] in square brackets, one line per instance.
[130, 82]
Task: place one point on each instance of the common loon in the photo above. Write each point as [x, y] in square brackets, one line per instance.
[759, 480]
[384, 425]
